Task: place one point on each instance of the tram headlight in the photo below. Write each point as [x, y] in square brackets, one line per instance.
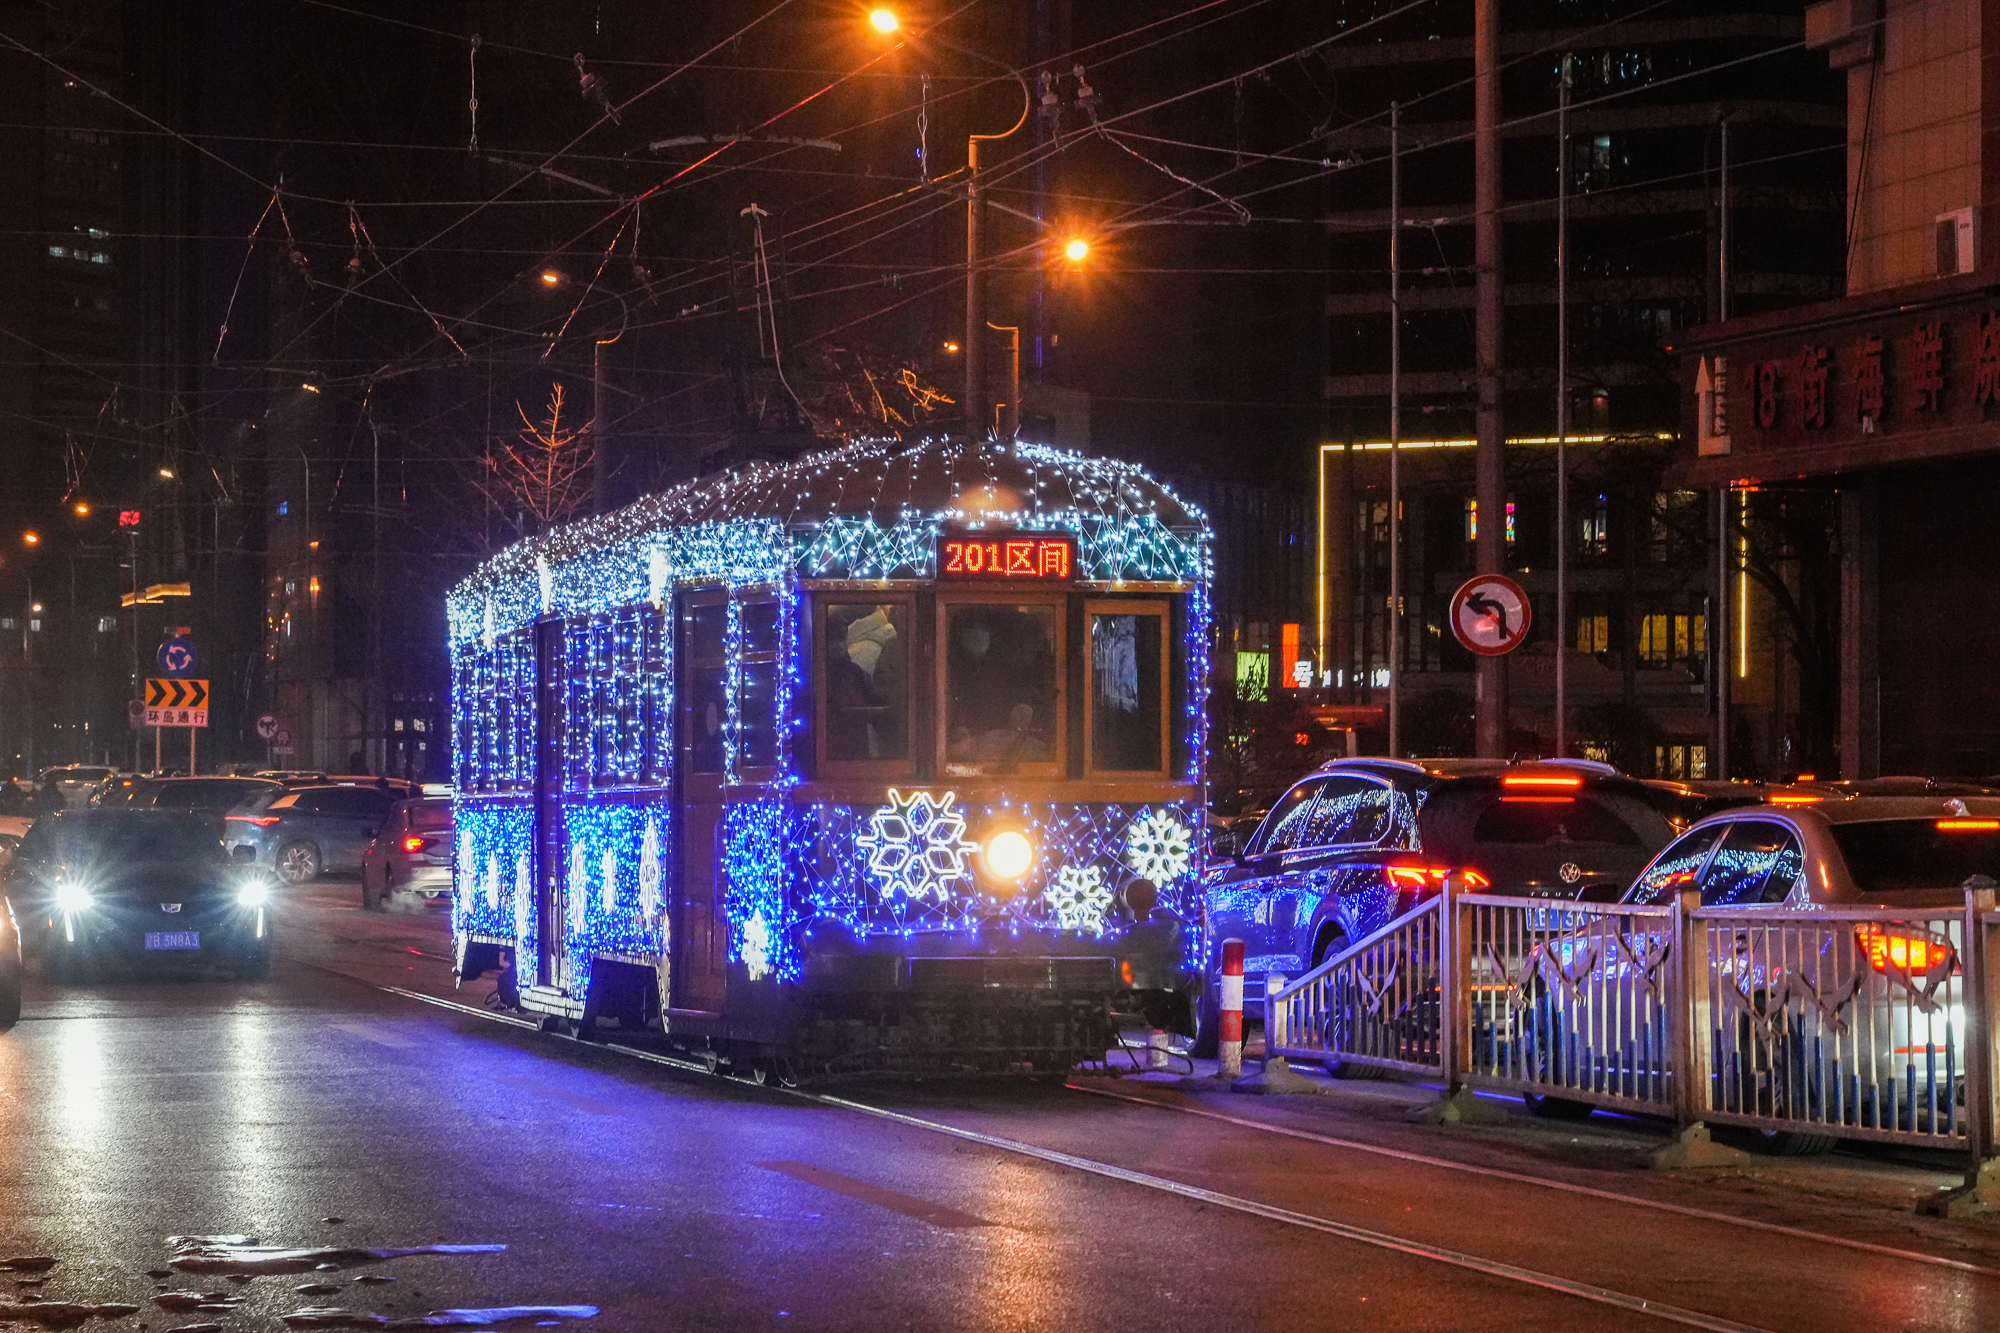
[1006, 856]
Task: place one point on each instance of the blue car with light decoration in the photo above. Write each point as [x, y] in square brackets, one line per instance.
[1357, 842]
[886, 756]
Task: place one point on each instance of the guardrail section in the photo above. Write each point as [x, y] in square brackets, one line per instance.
[1835, 1022]
[1568, 1001]
[1376, 1004]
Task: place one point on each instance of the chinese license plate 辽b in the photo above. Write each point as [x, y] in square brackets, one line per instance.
[173, 939]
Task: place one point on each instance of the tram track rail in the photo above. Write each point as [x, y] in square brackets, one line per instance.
[1547, 1281]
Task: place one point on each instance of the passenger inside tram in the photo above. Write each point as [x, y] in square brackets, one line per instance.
[1000, 687]
[866, 682]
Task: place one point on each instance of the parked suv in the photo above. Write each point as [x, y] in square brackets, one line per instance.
[1358, 842]
[308, 831]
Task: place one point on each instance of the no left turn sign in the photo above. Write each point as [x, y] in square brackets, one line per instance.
[1490, 615]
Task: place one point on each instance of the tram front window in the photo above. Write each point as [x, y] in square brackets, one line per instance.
[866, 663]
[1001, 699]
[1127, 689]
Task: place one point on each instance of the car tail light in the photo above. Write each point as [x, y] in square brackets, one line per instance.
[261, 821]
[1900, 951]
[1432, 877]
[1795, 798]
[414, 844]
[1542, 780]
[1968, 825]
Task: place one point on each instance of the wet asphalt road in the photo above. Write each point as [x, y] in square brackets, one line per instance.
[135, 1110]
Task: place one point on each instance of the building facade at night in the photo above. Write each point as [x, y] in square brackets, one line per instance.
[1646, 145]
[1874, 416]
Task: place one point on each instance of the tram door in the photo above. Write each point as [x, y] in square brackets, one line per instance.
[551, 708]
[700, 936]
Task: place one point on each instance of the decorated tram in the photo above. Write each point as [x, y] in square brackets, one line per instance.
[885, 756]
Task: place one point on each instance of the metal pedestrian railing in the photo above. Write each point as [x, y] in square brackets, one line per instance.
[1568, 1001]
[1376, 1004]
[1869, 1023]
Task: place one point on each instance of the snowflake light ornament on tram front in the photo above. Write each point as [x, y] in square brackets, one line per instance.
[1157, 847]
[1078, 898]
[917, 847]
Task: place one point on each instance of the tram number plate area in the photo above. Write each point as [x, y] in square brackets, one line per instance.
[173, 939]
[1018, 557]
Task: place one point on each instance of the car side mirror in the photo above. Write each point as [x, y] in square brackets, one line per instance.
[1600, 893]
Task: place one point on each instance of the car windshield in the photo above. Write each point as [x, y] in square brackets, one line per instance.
[430, 815]
[95, 836]
[1543, 820]
[1897, 855]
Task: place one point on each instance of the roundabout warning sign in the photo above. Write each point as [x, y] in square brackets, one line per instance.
[1490, 615]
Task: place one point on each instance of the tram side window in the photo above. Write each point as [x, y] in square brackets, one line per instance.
[1002, 704]
[757, 686]
[864, 667]
[608, 665]
[705, 707]
[1128, 699]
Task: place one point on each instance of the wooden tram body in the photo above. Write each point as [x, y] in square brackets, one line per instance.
[733, 761]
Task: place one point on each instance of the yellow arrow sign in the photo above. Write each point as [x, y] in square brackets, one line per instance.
[176, 694]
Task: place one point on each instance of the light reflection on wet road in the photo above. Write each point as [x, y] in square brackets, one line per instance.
[132, 1111]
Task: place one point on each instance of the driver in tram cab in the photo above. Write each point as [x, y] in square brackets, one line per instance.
[1002, 693]
[862, 690]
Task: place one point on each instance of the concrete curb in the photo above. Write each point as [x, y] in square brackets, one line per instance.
[1459, 1108]
[1694, 1150]
[1277, 1079]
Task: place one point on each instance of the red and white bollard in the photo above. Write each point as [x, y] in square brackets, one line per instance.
[1230, 1030]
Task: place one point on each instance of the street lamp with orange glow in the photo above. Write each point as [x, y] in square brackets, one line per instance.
[979, 403]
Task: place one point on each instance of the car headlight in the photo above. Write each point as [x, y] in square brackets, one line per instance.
[72, 897]
[253, 893]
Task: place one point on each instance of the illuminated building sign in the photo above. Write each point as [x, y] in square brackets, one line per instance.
[1024, 556]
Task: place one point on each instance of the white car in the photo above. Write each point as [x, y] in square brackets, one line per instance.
[1839, 1022]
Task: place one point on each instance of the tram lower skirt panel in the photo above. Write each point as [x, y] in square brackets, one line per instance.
[984, 1032]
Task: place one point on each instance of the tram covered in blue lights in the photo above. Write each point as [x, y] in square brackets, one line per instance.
[885, 756]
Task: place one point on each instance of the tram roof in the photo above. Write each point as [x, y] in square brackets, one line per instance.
[951, 479]
[883, 495]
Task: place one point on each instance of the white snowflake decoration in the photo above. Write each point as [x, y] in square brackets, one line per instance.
[656, 577]
[649, 869]
[610, 868]
[467, 876]
[578, 890]
[757, 947]
[545, 580]
[492, 883]
[916, 845]
[523, 886]
[1156, 847]
[1078, 898]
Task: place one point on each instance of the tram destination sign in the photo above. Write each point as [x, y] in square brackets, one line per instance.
[1023, 557]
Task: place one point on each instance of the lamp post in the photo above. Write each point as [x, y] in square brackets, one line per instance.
[978, 402]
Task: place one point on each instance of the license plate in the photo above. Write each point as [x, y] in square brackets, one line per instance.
[173, 939]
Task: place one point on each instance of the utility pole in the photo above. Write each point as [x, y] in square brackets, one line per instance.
[1490, 545]
[1562, 412]
[978, 402]
[1720, 608]
[1395, 430]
